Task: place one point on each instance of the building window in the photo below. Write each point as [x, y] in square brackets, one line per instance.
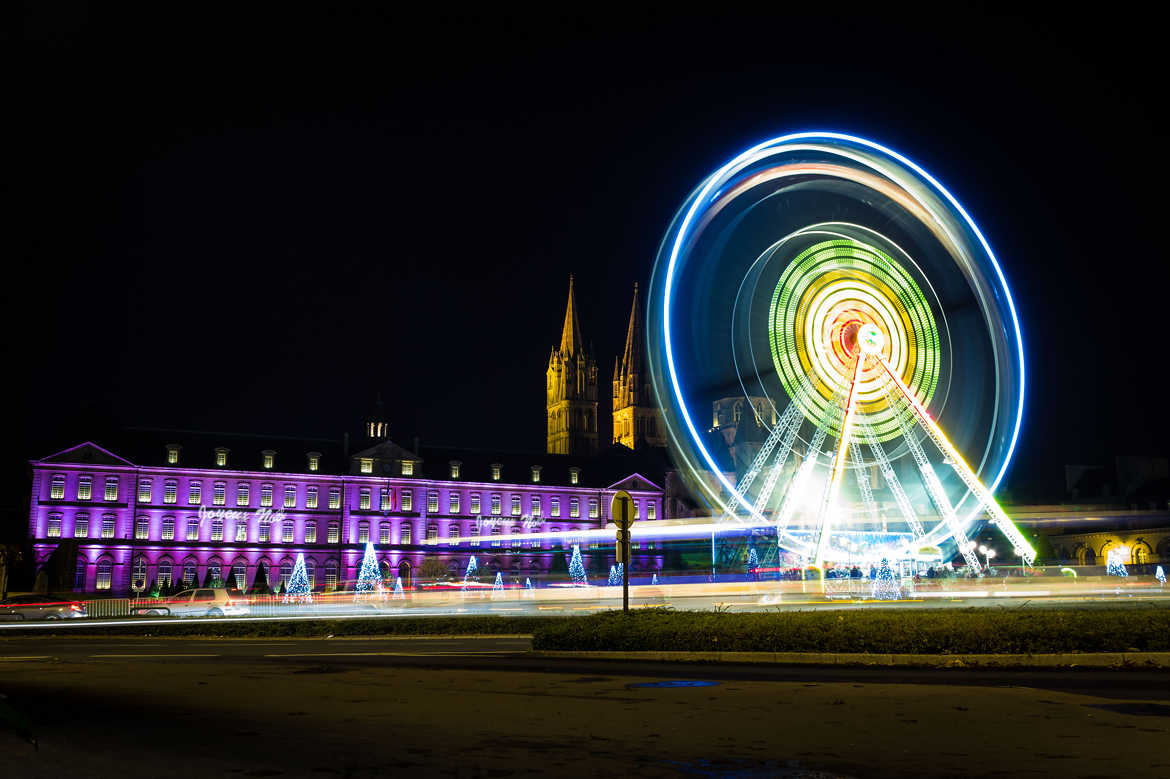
[495, 536]
[290, 497]
[141, 528]
[105, 570]
[554, 507]
[221, 456]
[384, 533]
[173, 454]
[108, 526]
[264, 530]
[168, 529]
[453, 503]
[243, 494]
[574, 507]
[111, 489]
[164, 573]
[217, 530]
[219, 493]
[194, 493]
[384, 498]
[536, 474]
[311, 571]
[170, 492]
[515, 539]
[54, 529]
[314, 462]
[364, 499]
[456, 467]
[144, 491]
[334, 497]
[363, 532]
[269, 459]
[495, 505]
[432, 532]
[138, 574]
[407, 500]
[331, 574]
[241, 530]
[651, 510]
[496, 470]
[84, 487]
[404, 533]
[310, 532]
[367, 465]
[81, 526]
[286, 531]
[432, 503]
[79, 573]
[574, 475]
[515, 505]
[453, 533]
[266, 495]
[192, 530]
[535, 504]
[189, 573]
[593, 508]
[311, 498]
[408, 468]
[475, 504]
[334, 532]
[57, 488]
[240, 575]
[635, 508]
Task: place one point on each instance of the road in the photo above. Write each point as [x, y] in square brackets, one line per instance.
[484, 707]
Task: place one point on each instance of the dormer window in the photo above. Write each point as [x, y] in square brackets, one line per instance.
[314, 461]
[408, 467]
[173, 454]
[574, 475]
[456, 467]
[367, 465]
[269, 459]
[221, 454]
[496, 469]
[536, 474]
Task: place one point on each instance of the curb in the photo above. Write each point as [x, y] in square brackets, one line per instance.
[1132, 660]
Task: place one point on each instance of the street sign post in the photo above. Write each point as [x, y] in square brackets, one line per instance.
[621, 509]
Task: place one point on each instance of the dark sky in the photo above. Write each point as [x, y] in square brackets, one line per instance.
[253, 223]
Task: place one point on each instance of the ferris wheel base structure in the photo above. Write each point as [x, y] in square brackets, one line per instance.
[840, 281]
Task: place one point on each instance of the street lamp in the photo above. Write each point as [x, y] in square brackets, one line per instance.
[987, 553]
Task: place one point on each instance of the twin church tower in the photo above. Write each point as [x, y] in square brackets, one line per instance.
[571, 390]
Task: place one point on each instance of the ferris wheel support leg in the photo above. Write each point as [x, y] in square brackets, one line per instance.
[1019, 544]
[900, 496]
[838, 465]
[863, 485]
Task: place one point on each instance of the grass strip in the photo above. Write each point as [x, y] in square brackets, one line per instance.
[885, 631]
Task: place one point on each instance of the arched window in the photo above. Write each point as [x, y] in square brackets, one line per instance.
[138, 573]
[190, 572]
[330, 574]
[105, 570]
[165, 569]
[453, 533]
[311, 571]
[141, 528]
[240, 575]
[79, 572]
[432, 532]
[285, 574]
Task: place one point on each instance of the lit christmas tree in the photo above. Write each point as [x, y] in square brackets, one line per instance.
[471, 578]
[654, 579]
[614, 576]
[576, 567]
[1113, 564]
[884, 586]
[1160, 575]
[498, 587]
[298, 584]
[369, 581]
[398, 593]
[528, 583]
[753, 561]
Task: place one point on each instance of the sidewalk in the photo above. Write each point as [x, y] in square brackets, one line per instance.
[1144, 660]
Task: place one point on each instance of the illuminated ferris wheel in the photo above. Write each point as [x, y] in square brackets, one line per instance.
[852, 304]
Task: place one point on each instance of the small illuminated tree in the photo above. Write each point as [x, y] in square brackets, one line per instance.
[369, 581]
[885, 586]
[577, 567]
[471, 578]
[298, 590]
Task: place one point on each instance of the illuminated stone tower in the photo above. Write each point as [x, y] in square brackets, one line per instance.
[571, 390]
[636, 419]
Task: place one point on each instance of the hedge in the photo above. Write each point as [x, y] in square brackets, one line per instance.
[884, 631]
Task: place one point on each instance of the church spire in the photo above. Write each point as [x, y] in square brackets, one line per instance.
[636, 421]
[633, 359]
[571, 340]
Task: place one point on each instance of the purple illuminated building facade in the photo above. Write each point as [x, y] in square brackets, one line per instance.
[189, 507]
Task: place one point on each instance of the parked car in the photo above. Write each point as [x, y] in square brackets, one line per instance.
[204, 602]
[27, 607]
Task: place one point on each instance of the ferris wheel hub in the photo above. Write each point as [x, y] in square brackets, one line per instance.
[870, 339]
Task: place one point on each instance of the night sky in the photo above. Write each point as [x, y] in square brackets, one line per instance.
[254, 223]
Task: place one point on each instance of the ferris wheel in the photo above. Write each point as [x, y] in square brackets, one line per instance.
[843, 299]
